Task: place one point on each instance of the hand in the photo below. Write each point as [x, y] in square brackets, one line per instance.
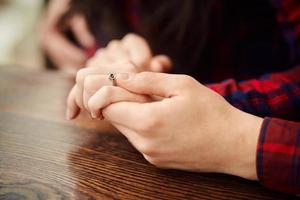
[132, 48]
[191, 128]
[94, 81]
[63, 52]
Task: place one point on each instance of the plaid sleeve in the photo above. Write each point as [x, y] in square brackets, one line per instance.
[278, 155]
[272, 95]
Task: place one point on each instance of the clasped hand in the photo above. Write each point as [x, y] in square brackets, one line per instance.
[173, 120]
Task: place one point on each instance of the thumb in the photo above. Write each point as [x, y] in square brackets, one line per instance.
[160, 63]
[150, 83]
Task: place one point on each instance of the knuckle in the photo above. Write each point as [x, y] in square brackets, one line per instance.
[129, 36]
[89, 84]
[80, 76]
[99, 52]
[88, 81]
[130, 39]
[113, 44]
[91, 62]
[130, 67]
[142, 76]
[187, 80]
[106, 91]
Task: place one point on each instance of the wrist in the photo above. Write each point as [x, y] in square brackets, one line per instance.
[245, 130]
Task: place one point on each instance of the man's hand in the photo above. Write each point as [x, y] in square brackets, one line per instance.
[191, 128]
[63, 52]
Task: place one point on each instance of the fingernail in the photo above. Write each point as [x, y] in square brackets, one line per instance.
[122, 76]
[94, 116]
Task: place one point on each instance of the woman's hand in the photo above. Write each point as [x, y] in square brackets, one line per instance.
[94, 81]
[131, 48]
[60, 49]
[129, 55]
[191, 128]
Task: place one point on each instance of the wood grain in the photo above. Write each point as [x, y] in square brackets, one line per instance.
[43, 156]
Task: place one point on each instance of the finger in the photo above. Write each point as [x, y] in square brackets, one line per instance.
[94, 73]
[160, 63]
[128, 114]
[101, 70]
[55, 10]
[150, 83]
[92, 84]
[138, 49]
[63, 52]
[72, 108]
[136, 139]
[101, 58]
[111, 94]
[117, 51]
[81, 31]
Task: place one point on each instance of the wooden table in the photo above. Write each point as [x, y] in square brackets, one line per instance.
[43, 156]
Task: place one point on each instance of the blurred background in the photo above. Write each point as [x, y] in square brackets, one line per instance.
[211, 40]
[19, 21]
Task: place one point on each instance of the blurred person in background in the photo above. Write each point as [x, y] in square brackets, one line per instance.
[66, 42]
[242, 122]
[66, 38]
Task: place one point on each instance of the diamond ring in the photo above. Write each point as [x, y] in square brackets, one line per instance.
[112, 78]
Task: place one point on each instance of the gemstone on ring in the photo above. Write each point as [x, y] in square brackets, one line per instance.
[111, 76]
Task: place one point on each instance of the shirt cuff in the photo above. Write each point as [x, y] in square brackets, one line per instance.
[278, 155]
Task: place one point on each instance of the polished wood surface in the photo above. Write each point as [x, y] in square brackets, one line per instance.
[44, 156]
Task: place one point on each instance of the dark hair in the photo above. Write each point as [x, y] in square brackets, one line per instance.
[186, 30]
[168, 25]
